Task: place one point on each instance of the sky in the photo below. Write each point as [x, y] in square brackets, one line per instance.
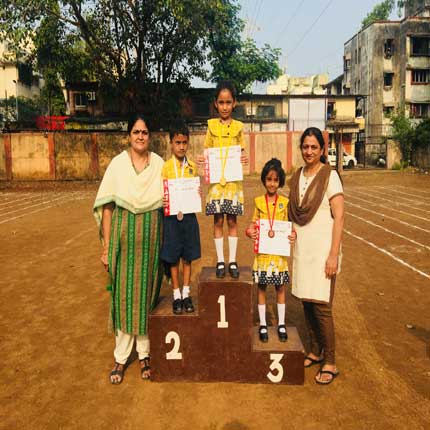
[311, 33]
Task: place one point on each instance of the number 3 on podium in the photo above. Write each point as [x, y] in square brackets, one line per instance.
[276, 365]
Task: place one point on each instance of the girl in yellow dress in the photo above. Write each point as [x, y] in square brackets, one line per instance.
[225, 198]
[271, 269]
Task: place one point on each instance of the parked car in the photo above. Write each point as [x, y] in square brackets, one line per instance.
[348, 160]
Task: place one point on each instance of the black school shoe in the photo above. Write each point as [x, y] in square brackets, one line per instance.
[177, 306]
[187, 304]
[282, 335]
[263, 333]
[233, 270]
[220, 270]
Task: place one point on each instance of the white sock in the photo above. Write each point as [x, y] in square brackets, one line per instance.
[185, 291]
[176, 293]
[281, 313]
[232, 247]
[262, 314]
[219, 246]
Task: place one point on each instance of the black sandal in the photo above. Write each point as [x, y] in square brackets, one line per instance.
[263, 333]
[146, 368]
[220, 270]
[116, 371]
[313, 361]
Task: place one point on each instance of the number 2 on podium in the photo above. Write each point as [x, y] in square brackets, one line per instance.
[222, 323]
[174, 353]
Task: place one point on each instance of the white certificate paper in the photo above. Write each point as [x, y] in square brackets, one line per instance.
[214, 163]
[277, 245]
[182, 195]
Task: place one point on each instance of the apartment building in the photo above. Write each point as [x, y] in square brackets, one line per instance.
[389, 63]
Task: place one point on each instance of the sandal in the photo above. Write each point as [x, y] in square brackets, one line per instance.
[328, 372]
[313, 361]
[118, 370]
[145, 370]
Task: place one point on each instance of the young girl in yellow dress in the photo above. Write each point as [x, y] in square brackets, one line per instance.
[271, 269]
[225, 198]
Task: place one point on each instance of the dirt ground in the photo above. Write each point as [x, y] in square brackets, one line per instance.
[57, 352]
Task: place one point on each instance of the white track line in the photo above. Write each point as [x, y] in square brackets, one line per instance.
[419, 191]
[402, 192]
[388, 231]
[25, 214]
[32, 206]
[398, 197]
[17, 197]
[396, 203]
[387, 216]
[20, 202]
[388, 207]
[384, 251]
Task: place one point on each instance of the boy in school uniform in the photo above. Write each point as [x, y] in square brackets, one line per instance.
[181, 235]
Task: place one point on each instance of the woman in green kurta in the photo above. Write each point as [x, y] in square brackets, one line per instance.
[128, 211]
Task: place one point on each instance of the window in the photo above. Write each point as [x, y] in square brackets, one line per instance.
[359, 55]
[421, 76]
[266, 111]
[81, 100]
[331, 110]
[388, 110]
[420, 46]
[388, 48]
[239, 111]
[420, 110]
[388, 79]
[346, 64]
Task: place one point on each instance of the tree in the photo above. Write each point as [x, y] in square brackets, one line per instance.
[139, 48]
[404, 133]
[382, 11]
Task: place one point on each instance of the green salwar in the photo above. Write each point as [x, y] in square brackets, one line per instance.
[135, 268]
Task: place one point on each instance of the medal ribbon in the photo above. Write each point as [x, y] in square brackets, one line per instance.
[221, 146]
[184, 163]
[269, 216]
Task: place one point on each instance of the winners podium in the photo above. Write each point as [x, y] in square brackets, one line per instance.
[218, 342]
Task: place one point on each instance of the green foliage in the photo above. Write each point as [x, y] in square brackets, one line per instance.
[409, 134]
[137, 48]
[422, 134]
[382, 11]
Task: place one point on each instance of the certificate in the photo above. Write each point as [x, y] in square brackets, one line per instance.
[276, 245]
[223, 160]
[182, 195]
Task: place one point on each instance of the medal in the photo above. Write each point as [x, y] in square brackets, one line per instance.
[222, 181]
[180, 216]
[271, 217]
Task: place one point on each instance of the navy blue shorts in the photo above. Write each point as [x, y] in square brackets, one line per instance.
[181, 239]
